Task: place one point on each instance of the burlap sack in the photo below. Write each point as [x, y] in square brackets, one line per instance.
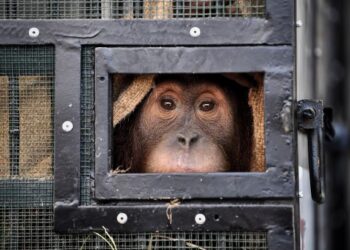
[4, 127]
[36, 131]
[129, 98]
[256, 102]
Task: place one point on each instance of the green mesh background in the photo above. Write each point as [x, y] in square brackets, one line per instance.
[26, 197]
[129, 9]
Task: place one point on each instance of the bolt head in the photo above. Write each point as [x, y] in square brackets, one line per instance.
[33, 32]
[309, 114]
[195, 32]
[67, 126]
[200, 219]
[122, 218]
[299, 23]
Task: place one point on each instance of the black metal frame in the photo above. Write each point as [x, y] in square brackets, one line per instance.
[275, 219]
[192, 186]
[276, 28]
[268, 207]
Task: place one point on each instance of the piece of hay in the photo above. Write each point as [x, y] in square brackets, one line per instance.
[131, 96]
[256, 102]
[35, 109]
[169, 212]
[120, 170]
[157, 9]
[4, 127]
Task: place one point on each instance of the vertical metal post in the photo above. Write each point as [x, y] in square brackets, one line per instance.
[304, 91]
[106, 9]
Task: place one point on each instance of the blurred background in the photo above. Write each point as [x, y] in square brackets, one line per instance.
[323, 72]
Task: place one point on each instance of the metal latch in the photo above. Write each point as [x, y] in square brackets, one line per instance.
[310, 117]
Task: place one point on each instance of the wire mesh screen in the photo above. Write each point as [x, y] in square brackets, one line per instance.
[130, 9]
[26, 81]
[31, 228]
[87, 145]
[26, 165]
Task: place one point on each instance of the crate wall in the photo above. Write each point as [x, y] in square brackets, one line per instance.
[27, 83]
[26, 167]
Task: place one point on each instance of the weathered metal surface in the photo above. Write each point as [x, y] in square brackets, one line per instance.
[276, 28]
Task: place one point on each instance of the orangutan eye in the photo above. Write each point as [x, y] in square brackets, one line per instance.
[167, 104]
[206, 106]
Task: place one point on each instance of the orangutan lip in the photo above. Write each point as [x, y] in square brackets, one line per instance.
[183, 159]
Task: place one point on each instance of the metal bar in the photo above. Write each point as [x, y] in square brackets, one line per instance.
[196, 60]
[103, 119]
[67, 123]
[196, 186]
[275, 219]
[243, 31]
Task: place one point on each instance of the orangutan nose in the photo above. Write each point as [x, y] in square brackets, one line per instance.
[187, 140]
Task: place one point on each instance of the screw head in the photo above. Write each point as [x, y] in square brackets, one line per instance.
[195, 32]
[33, 32]
[299, 23]
[309, 114]
[67, 126]
[200, 219]
[122, 218]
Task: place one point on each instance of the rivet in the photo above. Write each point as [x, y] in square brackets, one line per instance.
[200, 219]
[122, 218]
[33, 32]
[300, 195]
[195, 32]
[67, 126]
[299, 23]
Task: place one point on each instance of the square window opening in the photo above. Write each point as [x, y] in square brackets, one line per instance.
[187, 123]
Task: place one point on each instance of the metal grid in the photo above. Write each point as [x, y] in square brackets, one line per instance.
[50, 9]
[130, 9]
[31, 228]
[26, 79]
[87, 145]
